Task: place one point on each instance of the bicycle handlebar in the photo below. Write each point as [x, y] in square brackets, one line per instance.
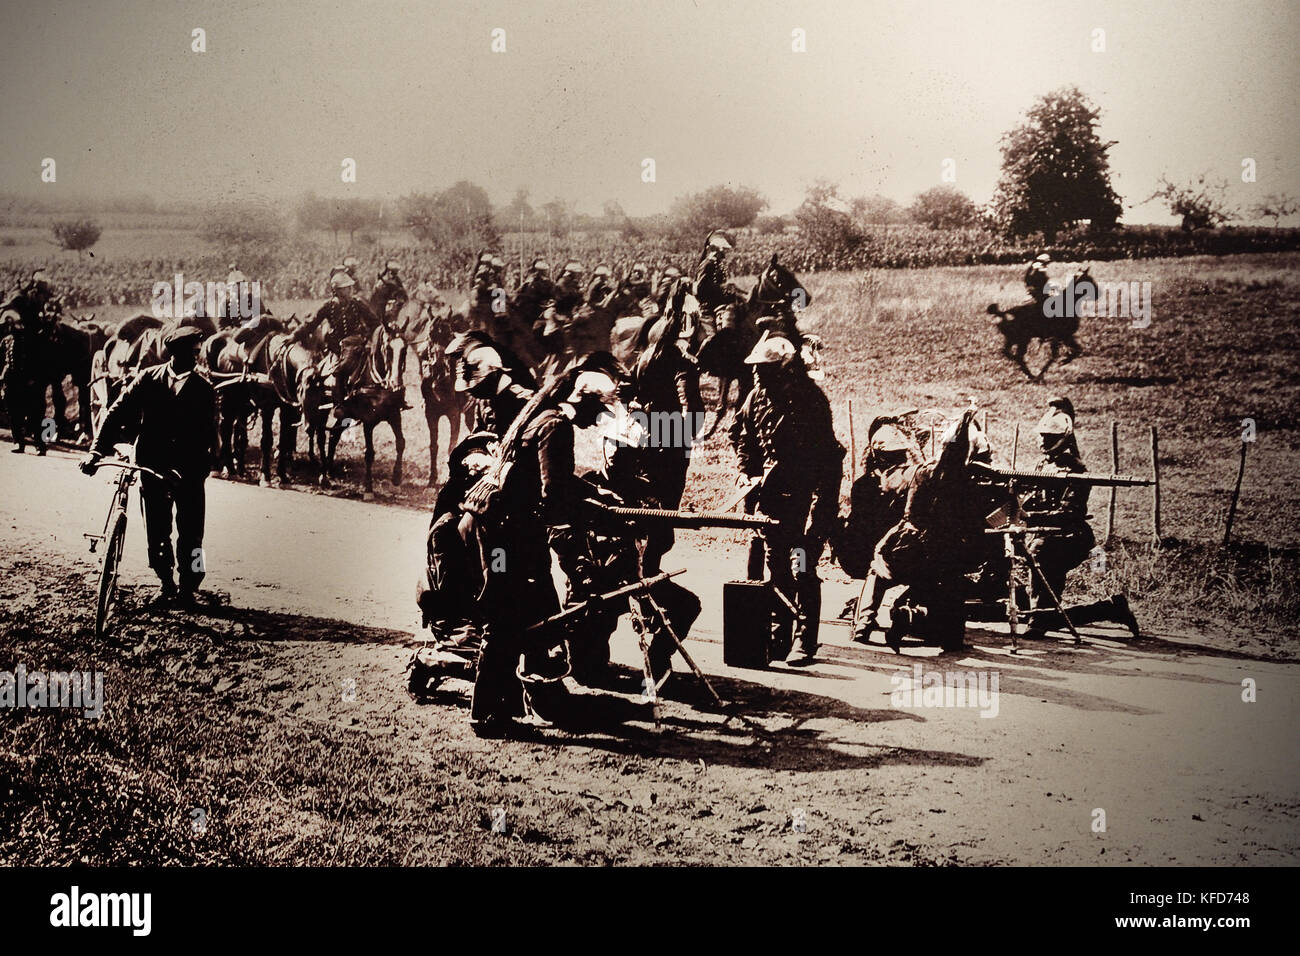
[126, 465]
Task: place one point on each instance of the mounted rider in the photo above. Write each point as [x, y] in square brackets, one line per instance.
[37, 305]
[711, 285]
[389, 294]
[350, 325]
[1036, 278]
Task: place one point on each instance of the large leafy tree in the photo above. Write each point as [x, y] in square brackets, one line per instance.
[1055, 169]
[732, 207]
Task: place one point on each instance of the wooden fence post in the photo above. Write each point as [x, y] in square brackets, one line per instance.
[1236, 493]
[1114, 492]
[853, 446]
[1155, 488]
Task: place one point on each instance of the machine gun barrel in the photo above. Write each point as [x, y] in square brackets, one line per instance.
[1047, 479]
[685, 519]
[639, 586]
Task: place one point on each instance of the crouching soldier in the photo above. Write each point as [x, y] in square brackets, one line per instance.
[787, 450]
[172, 409]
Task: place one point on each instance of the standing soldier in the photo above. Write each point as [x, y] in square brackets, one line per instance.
[23, 397]
[789, 455]
[499, 392]
[537, 491]
[1063, 508]
[172, 408]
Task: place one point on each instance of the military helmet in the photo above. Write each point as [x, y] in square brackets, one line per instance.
[596, 384]
[476, 364]
[341, 280]
[772, 350]
[1056, 422]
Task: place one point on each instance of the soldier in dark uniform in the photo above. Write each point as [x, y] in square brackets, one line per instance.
[1063, 508]
[389, 294]
[711, 285]
[533, 294]
[785, 443]
[1036, 278]
[601, 287]
[539, 490]
[631, 292]
[24, 399]
[172, 410]
[498, 384]
[350, 324]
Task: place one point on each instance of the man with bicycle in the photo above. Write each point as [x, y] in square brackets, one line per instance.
[171, 409]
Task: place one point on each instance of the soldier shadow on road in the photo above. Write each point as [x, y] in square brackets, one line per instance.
[1042, 669]
[742, 734]
[765, 727]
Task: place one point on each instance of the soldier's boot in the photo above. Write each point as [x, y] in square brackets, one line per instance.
[866, 617]
[807, 626]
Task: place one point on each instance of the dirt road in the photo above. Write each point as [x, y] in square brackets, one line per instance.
[1151, 738]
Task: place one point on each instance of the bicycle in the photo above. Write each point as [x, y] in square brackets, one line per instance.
[114, 534]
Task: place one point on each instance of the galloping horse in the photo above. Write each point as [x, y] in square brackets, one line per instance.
[377, 398]
[428, 327]
[1054, 321]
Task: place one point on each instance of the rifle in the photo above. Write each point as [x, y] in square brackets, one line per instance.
[684, 519]
[1046, 479]
[592, 603]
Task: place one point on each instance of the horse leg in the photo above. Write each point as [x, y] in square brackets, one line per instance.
[83, 405]
[267, 444]
[368, 487]
[60, 400]
[399, 444]
[225, 427]
[329, 444]
[288, 443]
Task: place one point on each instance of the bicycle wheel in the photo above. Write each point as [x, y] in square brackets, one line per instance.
[108, 575]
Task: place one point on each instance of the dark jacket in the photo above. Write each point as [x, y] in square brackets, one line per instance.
[174, 431]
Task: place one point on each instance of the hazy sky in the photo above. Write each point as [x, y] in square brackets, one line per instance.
[711, 90]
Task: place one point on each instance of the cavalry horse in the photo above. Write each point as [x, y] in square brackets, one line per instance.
[1054, 321]
[735, 327]
[428, 325]
[68, 354]
[263, 368]
[375, 394]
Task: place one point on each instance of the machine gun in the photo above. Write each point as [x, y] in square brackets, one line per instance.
[683, 519]
[1048, 479]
